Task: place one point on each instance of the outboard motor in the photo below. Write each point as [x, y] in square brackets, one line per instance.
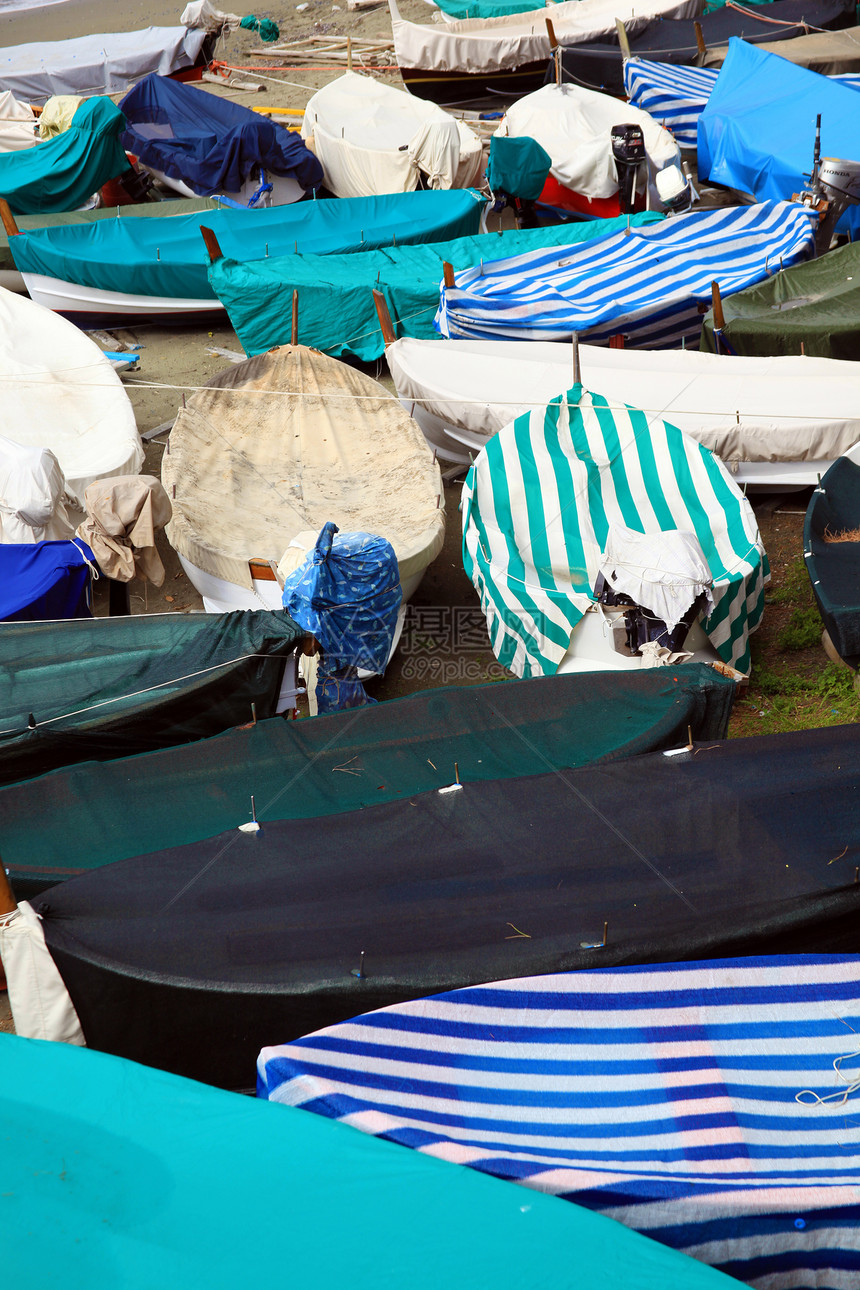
[674, 190]
[628, 149]
[834, 185]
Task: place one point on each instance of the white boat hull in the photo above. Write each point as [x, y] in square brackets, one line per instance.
[593, 648]
[80, 302]
[285, 189]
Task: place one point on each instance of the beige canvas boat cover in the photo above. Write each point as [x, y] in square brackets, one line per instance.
[481, 45]
[283, 442]
[743, 409]
[828, 52]
[57, 115]
[123, 516]
[17, 124]
[573, 125]
[371, 138]
[40, 1003]
[58, 391]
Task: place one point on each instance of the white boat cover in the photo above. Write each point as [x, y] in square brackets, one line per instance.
[40, 1003]
[574, 124]
[743, 409]
[486, 45]
[32, 489]
[373, 139]
[663, 572]
[17, 124]
[96, 64]
[60, 392]
[827, 52]
[283, 442]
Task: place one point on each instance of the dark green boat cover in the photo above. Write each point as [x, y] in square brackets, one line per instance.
[119, 1176]
[59, 219]
[336, 310]
[168, 257]
[64, 172]
[815, 305]
[350, 760]
[107, 687]
[834, 567]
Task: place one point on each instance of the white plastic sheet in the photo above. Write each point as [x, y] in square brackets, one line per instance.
[663, 572]
[40, 1003]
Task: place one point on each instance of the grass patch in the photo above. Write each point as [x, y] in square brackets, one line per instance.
[802, 631]
[794, 586]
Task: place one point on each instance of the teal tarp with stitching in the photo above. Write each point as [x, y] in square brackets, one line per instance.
[167, 257]
[336, 309]
[63, 173]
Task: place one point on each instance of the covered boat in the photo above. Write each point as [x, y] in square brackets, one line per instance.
[199, 144]
[600, 64]
[371, 138]
[757, 131]
[41, 581]
[337, 312]
[648, 285]
[776, 422]
[348, 761]
[274, 448]
[108, 687]
[703, 1104]
[722, 850]
[131, 268]
[574, 126]
[454, 61]
[110, 1166]
[677, 96]
[831, 550]
[60, 393]
[811, 308]
[65, 171]
[828, 52]
[98, 64]
[584, 514]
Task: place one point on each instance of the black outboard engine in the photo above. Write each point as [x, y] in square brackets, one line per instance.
[628, 149]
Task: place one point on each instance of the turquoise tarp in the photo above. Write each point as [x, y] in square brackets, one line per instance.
[63, 173]
[167, 257]
[336, 310]
[120, 1176]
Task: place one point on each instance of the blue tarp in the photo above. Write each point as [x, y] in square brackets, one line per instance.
[44, 580]
[757, 131]
[347, 594]
[207, 142]
[63, 173]
[167, 256]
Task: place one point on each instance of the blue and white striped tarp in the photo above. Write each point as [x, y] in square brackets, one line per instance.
[542, 496]
[646, 283]
[708, 1105]
[675, 96]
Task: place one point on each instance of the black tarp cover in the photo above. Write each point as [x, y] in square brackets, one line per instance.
[347, 761]
[108, 687]
[598, 64]
[834, 567]
[198, 956]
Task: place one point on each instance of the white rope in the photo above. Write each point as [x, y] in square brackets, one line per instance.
[806, 1097]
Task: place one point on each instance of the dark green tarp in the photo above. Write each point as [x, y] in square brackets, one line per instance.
[814, 305]
[834, 567]
[64, 172]
[108, 687]
[59, 219]
[348, 761]
[336, 310]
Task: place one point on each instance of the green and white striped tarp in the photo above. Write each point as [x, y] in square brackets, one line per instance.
[538, 503]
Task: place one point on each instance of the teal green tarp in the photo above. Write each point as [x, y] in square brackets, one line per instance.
[119, 1176]
[108, 687]
[59, 219]
[64, 172]
[812, 308]
[168, 257]
[336, 310]
[330, 765]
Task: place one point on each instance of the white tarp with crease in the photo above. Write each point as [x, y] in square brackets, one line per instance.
[371, 138]
[40, 1003]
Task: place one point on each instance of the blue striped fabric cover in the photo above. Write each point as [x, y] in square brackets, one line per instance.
[675, 96]
[662, 1096]
[646, 283]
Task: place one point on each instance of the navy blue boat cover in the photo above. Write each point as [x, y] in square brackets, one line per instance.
[44, 580]
[208, 142]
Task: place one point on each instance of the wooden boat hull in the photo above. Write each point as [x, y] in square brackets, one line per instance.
[452, 88]
[93, 307]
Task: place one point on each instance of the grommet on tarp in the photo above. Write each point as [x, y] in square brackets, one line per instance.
[359, 971]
